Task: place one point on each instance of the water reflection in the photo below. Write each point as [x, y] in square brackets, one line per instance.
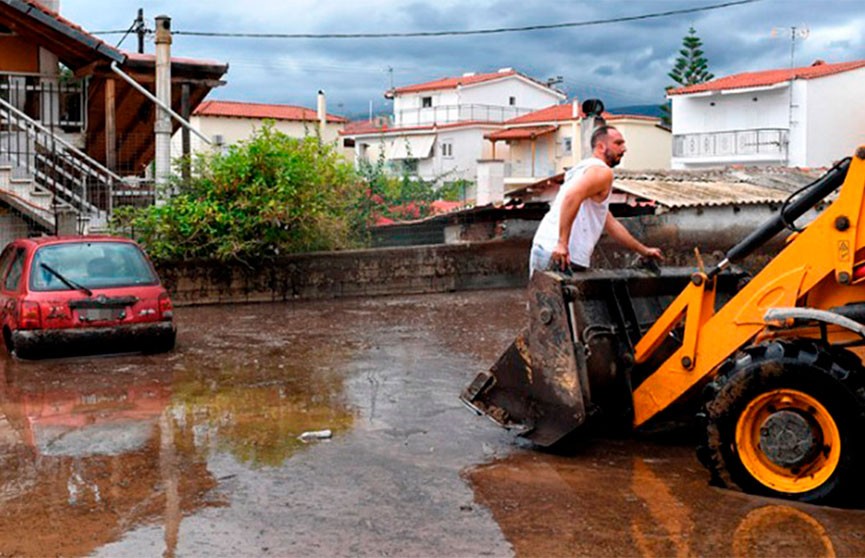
[91, 448]
[630, 498]
[83, 458]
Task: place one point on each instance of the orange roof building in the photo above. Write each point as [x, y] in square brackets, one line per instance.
[809, 117]
[227, 122]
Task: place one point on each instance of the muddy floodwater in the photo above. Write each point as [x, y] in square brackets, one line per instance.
[200, 452]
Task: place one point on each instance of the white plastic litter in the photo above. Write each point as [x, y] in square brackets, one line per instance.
[316, 435]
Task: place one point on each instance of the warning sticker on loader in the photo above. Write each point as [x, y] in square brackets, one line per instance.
[843, 250]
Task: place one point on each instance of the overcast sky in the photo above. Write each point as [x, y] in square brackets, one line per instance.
[624, 63]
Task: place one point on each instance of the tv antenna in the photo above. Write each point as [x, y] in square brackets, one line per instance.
[800, 32]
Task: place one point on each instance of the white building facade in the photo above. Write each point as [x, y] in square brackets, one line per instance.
[228, 122]
[799, 117]
[439, 126]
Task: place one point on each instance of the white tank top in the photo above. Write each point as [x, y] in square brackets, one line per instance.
[588, 225]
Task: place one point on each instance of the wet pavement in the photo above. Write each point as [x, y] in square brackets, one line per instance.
[196, 452]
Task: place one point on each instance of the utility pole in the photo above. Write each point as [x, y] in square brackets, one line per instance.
[140, 30]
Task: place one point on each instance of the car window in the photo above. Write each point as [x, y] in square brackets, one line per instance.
[90, 264]
[6, 259]
[15, 270]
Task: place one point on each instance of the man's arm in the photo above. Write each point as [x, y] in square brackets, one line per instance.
[593, 182]
[623, 236]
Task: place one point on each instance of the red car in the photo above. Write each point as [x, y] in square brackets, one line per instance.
[83, 294]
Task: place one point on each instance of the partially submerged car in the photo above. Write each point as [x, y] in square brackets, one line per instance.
[82, 295]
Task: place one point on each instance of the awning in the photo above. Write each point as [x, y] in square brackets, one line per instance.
[527, 132]
[411, 147]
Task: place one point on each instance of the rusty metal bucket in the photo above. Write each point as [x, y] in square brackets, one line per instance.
[575, 359]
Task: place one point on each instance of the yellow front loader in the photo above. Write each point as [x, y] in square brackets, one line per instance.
[772, 365]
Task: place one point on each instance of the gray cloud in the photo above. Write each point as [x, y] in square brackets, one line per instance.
[623, 63]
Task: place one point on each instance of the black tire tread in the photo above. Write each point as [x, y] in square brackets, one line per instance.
[731, 381]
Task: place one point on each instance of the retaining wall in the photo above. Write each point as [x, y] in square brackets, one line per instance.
[382, 271]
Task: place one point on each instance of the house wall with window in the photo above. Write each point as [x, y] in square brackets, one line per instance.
[230, 130]
[515, 92]
[551, 152]
[800, 119]
[496, 100]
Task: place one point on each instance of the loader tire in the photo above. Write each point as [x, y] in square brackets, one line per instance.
[784, 419]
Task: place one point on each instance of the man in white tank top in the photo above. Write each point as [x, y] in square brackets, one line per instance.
[579, 213]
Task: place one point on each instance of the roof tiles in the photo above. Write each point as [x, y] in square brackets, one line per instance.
[770, 77]
[454, 82]
[259, 110]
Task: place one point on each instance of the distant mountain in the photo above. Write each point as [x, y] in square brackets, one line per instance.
[644, 110]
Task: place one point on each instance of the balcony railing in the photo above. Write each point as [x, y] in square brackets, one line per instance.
[56, 104]
[769, 142]
[445, 114]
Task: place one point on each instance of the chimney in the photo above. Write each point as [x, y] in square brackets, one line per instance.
[162, 124]
[575, 109]
[53, 5]
[322, 114]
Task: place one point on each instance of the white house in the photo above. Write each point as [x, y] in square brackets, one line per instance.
[546, 142]
[804, 117]
[439, 126]
[227, 122]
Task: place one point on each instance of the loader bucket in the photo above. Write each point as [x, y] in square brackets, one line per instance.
[575, 359]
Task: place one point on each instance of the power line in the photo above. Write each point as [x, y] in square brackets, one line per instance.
[458, 33]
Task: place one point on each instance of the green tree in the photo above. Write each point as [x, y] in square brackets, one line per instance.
[690, 68]
[269, 195]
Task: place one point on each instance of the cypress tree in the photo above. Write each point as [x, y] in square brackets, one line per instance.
[691, 67]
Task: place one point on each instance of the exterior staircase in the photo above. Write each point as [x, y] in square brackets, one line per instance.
[49, 181]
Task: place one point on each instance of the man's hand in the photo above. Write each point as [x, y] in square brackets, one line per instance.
[560, 256]
[653, 253]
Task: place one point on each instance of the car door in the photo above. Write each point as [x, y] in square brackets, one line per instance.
[11, 270]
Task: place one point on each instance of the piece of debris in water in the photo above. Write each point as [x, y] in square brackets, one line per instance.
[315, 435]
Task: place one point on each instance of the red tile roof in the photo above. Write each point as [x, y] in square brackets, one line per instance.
[95, 42]
[258, 110]
[770, 77]
[454, 82]
[564, 112]
[525, 132]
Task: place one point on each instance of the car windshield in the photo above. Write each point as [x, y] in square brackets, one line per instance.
[90, 264]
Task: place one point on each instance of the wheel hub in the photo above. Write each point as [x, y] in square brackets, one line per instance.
[788, 439]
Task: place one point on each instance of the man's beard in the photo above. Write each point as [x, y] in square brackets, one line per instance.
[612, 160]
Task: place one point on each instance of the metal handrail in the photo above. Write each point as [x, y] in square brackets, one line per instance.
[90, 161]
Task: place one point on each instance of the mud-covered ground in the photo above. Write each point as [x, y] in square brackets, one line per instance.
[196, 453]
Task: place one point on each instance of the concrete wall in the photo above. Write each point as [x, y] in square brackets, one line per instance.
[835, 118]
[649, 146]
[385, 271]
[474, 263]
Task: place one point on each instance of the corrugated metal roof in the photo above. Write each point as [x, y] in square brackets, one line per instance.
[678, 194]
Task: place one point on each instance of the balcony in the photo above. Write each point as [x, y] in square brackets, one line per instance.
[735, 146]
[446, 114]
[58, 104]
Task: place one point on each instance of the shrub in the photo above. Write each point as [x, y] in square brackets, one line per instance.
[269, 195]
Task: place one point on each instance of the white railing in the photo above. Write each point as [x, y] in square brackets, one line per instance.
[734, 143]
[446, 114]
[75, 179]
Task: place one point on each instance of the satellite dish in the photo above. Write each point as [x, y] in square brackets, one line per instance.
[592, 107]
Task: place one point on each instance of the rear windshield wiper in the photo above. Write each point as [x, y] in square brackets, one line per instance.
[68, 282]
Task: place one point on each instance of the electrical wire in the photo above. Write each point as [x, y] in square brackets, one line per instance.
[454, 33]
